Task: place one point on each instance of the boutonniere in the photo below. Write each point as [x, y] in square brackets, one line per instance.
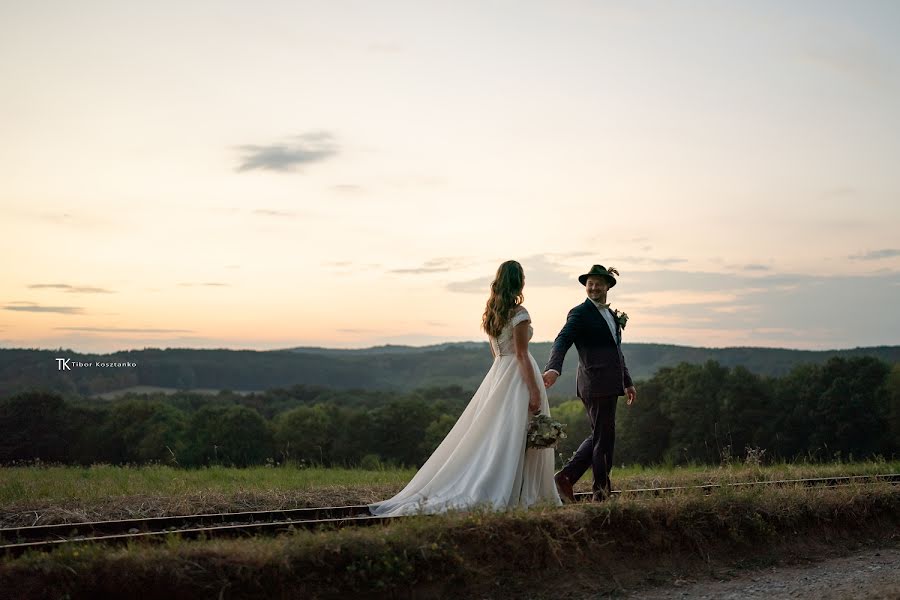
[621, 318]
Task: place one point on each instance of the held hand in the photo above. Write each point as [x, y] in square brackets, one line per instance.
[632, 395]
[534, 401]
[550, 378]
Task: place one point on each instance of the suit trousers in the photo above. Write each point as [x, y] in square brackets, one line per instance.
[596, 451]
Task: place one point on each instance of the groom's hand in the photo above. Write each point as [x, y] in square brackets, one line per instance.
[550, 378]
[632, 395]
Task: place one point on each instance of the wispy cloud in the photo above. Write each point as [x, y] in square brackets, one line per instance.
[646, 260]
[859, 65]
[749, 268]
[561, 256]
[60, 218]
[80, 221]
[470, 286]
[540, 271]
[435, 265]
[551, 270]
[703, 281]
[71, 289]
[347, 188]
[344, 267]
[301, 150]
[877, 254]
[204, 284]
[37, 308]
[811, 309]
[122, 330]
[265, 212]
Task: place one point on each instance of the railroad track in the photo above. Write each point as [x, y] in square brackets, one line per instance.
[16, 540]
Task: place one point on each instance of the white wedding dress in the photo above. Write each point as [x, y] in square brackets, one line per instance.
[483, 460]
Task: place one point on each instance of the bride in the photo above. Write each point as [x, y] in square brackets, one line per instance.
[483, 461]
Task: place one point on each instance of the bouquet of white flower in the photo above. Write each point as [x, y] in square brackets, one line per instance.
[544, 432]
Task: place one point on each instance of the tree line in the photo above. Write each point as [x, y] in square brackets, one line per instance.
[392, 368]
[708, 413]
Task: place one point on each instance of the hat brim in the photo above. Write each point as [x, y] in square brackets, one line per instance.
[582, 279]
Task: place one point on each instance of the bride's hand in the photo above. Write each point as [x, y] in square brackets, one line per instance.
[534, 401]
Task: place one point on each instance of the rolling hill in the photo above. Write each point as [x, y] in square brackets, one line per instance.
[401, 368]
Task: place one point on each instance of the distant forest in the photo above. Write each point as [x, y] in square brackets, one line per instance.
[843, 408]
[395, 368]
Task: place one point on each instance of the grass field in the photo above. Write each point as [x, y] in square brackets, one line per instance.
[53, 494]
[60, 483]
[42, 484]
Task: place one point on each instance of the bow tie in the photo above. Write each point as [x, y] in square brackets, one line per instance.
[601, 306]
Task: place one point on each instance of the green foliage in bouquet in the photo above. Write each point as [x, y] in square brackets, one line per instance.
[544, 432]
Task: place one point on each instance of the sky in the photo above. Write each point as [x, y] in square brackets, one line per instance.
[350, 174]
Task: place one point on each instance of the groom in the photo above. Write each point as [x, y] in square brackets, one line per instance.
[602, 377]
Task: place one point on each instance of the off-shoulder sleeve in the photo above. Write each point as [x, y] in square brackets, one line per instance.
[520, 317]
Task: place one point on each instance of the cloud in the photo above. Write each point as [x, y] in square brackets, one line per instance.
[561, 256]
[344, 267]
[347, 188]
[205, 284]
[646, 260]
[71, 289]
[62, 218]
[80, 221]
[37, 308]
[435, 265]
[858, 65]
[122, 330]
[751, 268]
[701, 281]
[540, 271]
[302, 150]
[803, 310]
[265, 212]
[470, 286]
[877, 254]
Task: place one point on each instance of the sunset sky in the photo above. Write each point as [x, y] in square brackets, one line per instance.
[349, 174]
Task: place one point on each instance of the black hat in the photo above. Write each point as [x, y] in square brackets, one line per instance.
[599, 271]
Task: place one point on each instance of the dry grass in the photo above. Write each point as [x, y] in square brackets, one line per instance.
[193, 503]
[46, 495]
[31, 495]
[97, 482]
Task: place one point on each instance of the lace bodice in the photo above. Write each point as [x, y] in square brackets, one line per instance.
[505, 345]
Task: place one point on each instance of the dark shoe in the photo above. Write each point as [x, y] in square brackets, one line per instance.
[564, 487]
[601, 496]
[604, 493]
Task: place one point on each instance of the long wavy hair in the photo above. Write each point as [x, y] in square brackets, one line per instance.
[506, 294]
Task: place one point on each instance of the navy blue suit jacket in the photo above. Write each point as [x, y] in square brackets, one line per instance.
[601, 364]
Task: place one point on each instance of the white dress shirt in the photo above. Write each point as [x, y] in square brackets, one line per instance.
[607, 316]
